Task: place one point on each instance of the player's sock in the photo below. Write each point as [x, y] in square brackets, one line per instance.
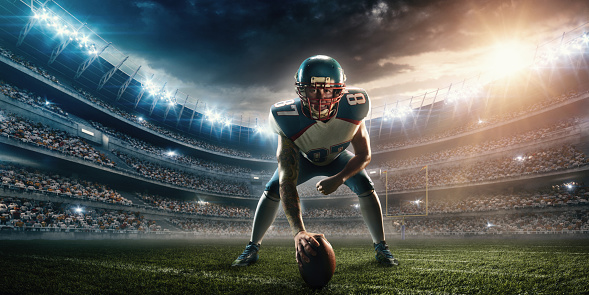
[372, 215]
[265, 215]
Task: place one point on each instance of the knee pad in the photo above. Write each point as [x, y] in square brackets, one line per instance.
[271, 196]
[366, 194]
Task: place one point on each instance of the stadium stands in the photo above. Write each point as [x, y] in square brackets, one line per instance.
[458, 156]
[31, 215]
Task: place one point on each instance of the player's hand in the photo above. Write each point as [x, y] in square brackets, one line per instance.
[305, 245]
[329, 185]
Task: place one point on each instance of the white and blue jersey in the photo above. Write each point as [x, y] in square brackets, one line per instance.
[321, 142]
[322, 145]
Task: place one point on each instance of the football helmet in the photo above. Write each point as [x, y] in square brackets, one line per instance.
[320, 83]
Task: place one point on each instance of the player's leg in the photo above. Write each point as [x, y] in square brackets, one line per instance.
[362, 185]
[264, 217]
[372, 215]
[266, 211]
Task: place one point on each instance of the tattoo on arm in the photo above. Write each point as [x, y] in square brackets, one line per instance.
[288, 168]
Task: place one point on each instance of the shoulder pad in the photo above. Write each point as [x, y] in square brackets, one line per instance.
[354, 105]
[288, 118]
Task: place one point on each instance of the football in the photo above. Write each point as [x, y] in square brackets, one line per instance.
[318, 272]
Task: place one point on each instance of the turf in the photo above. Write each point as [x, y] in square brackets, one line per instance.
[550, 265]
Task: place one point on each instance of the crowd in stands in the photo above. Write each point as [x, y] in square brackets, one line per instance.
[41, 135]
[347, 220]
[216, 228]
[541, 161]
[25, 179]
[329, 213]
[30, 98]
[479, 123]
[182, 178]
[164, 131]
[20, 60]
[509, 223]
[563, 126]
[569, 194]
[556, 196]
[26, 214]
[195, 207]
[524, 222]
[221, 210]
[165, 154]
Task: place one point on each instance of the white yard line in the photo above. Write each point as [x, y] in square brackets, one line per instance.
[485, 251]
[435, 260]
[485, 272]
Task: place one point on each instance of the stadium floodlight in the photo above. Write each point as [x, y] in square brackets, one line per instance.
[61, 30]
[585, 38]
[465, 93]
[227, 122]
[84, 40]
[92, 49]
[399, 112]
[262, 130]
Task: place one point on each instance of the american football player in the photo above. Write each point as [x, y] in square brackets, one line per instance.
[314, 131]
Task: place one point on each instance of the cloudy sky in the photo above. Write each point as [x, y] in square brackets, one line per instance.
[240, 56]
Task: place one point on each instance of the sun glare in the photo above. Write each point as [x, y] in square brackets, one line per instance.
[507, 58]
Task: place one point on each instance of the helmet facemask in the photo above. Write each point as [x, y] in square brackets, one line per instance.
[320, 98]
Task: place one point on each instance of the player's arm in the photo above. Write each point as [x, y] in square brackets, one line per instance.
[288, 169]
[361, 159]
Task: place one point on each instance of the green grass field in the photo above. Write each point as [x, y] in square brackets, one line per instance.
[550, 265]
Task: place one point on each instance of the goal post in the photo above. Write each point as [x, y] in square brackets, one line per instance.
[387, 196]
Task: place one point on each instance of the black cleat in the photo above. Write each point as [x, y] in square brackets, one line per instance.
[384, 255]
[249, 255]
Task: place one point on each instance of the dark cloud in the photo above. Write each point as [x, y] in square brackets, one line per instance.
[244, 42]
[260, 43]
